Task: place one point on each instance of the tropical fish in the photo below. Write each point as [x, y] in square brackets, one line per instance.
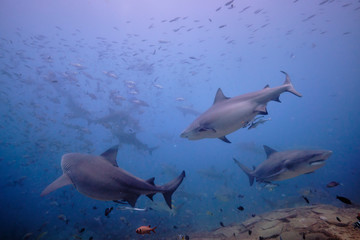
[108, 211]
[344, 200]
[332, 184]
[99, 177]
[287, 164]
[227, 115]
[306, 199]
[133, 209]
[257, 121]
[145, 230]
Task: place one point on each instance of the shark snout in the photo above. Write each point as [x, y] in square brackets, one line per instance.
[184, 135]
[321, 158]
[326, 154]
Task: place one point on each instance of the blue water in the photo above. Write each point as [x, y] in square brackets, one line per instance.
[74, 73]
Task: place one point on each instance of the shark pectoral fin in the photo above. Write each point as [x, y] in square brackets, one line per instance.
[151, 196]
[277, 99]
[110, 155]
[261, 109]
[62, 181]
[223, 138]
[131, 198]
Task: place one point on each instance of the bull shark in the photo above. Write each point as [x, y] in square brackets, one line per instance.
[287, 164]
[100, 177]
[227, 115]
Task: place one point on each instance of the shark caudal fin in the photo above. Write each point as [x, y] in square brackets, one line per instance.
[290, 86]
[170, 188]
[246, 170]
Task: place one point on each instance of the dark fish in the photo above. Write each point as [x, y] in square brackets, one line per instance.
[337, 218]
[344, 200]
[175, 227]
[261, 238]
[332, 184]
[91, 238]
[94, 207]
[240, 196]
[108, 211]
[253, 215]
[306, 199]
[81, 230]
[222, 224]
[228, 3]
[303, 235]
[174, 19]
[241, 208]
[250, 232]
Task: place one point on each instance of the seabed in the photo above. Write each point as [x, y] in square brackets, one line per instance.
[311, 222]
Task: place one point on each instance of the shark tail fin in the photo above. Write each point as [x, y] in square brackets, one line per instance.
[246, 170]
[290, 86]
[170, 188]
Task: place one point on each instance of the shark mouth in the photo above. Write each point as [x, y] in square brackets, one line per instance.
[321, 159]
[317, 162]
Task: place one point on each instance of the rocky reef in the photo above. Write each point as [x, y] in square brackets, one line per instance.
[318, 222]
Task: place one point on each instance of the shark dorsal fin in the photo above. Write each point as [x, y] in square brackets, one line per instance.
[151, 181]
[266, 86]
[269, 151]
[110, 155]
[220, 96]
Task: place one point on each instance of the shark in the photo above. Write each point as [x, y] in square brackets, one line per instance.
[286, 164]
[227, 115]
[99, 177]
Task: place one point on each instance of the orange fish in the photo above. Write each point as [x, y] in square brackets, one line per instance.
[145, 229]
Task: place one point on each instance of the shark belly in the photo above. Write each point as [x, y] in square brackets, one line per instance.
[228, 118]
[105, 182]
[286, 174]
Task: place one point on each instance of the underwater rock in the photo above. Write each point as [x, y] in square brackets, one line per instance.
[315, 222]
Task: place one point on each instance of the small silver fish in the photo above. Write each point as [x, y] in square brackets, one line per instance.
[257, 122]
[133, 209]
